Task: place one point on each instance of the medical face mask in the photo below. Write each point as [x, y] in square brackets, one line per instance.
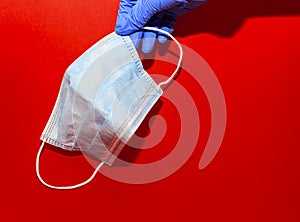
[104, 97]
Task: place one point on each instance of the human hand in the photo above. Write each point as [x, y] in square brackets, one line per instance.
[133, 15]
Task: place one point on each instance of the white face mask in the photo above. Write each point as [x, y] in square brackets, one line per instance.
[104, 97]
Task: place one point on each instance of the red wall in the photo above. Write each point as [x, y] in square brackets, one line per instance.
[253, 48]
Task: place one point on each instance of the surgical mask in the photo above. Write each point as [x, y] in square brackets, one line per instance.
[104, 97]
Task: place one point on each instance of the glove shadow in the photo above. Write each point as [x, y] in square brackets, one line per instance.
[225, 18]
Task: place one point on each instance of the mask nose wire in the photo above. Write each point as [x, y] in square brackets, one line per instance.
[180, 52]
[37, 168]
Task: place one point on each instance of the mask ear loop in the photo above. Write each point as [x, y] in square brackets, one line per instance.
[37, 168]
[180, 52]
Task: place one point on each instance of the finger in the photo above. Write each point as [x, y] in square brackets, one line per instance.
[148, 41]
[123, 27]
[162, 38]
[150, 36]
[136, 38]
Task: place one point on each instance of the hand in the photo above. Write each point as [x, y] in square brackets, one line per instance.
[163, 14]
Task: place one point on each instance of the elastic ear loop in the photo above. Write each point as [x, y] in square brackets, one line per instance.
[37, 163]
[180, 52]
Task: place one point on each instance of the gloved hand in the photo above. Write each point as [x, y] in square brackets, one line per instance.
[163, 14]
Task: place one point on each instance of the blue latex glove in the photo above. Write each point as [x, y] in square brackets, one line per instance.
[163, 14]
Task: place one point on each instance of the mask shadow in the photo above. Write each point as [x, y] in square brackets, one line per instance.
[129, 154]
[61, 151]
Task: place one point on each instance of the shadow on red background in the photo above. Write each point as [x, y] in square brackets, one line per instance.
[225, 18]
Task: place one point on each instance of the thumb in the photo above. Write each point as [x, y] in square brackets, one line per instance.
[134, 19]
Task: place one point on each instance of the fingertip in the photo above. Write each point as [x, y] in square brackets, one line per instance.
[147, 45]
[135, 38]
[121, 28]
[118, 30]
[162, 38]
[148, 41]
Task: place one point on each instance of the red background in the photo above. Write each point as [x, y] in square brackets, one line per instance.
[252, 46]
